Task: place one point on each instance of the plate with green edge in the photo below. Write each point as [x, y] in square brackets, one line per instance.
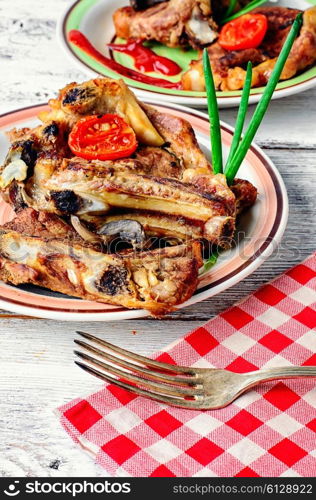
[94, 19]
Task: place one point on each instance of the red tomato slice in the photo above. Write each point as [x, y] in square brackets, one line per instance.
[106, 137]
[245, 32]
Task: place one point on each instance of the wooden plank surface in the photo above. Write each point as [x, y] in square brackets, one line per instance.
[36, 360]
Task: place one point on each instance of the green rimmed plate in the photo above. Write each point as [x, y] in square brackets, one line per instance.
[94, 19]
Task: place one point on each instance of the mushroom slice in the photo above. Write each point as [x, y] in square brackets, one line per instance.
[125, 229]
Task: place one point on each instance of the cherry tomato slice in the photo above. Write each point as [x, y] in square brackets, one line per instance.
[106, 137]
[245, 32]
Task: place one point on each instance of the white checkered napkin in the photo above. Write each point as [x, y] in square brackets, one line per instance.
[269, 431]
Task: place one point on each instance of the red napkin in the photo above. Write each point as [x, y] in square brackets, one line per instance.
[269, 431]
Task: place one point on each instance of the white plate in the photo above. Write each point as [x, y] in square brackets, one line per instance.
[94, 19]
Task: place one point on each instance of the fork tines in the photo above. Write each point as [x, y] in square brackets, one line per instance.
[166, 383]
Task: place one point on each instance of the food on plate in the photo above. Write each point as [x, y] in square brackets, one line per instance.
[175, 23]
[242, 140]
[114, 201]
[253, 34]
[98, 183]
[231, 52]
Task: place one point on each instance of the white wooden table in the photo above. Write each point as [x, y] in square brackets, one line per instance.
[37, 372]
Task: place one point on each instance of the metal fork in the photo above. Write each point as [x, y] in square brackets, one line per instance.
[191, 388]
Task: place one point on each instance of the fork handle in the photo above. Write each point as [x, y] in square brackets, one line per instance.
[282, 372]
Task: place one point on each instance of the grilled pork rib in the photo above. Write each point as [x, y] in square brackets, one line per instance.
[229, 66]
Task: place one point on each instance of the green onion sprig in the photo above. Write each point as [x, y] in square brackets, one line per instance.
[237, 159]
[231, 7]
[252, 5]
[215, 128]
[240, 121]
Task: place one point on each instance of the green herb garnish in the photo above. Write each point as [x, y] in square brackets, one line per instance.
[252, 5]
[243, 107]
[237, 159]
[215, 128]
